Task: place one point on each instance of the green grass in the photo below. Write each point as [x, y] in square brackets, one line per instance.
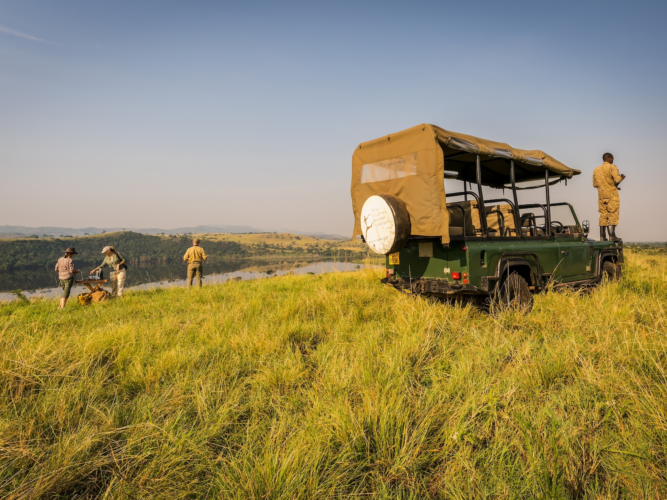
[334, 386]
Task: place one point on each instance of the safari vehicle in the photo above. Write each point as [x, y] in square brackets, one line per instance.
[459, 243]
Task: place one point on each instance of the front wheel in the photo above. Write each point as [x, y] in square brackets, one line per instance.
[611, 271]
[514, 294]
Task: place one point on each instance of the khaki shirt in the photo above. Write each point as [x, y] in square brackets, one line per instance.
[195, 254]
[65, 268]
[605, 178]
[113, 261]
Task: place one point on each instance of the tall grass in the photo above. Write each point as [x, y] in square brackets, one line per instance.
[334, 386]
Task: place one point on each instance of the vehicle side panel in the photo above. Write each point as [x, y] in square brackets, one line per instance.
[429, 259]
[576, 260]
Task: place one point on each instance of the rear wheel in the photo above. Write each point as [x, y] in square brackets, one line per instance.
[514, 294]
[611, 271]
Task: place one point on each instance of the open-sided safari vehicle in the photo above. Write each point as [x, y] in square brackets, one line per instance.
[437, 243]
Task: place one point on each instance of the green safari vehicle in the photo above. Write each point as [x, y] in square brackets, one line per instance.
[460, 243]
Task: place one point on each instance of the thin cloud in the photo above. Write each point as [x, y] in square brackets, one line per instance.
[19, 34]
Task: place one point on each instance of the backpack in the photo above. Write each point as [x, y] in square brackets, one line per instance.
[84, 299]
[100, 296]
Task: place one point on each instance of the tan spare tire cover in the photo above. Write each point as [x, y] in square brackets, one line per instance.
[385, 223]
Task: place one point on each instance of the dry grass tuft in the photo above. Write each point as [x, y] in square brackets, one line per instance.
[333, 387]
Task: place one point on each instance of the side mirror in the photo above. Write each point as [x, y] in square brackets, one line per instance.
[586, 226]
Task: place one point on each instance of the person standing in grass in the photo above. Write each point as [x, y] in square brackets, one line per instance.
[195, 256]
[66, 271]
[116, 263]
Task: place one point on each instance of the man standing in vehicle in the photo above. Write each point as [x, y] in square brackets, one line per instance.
[606, 179]
[195, 257]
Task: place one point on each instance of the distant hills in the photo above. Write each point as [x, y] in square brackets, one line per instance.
[59, 232]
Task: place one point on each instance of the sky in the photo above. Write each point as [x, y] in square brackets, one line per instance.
[170, 114]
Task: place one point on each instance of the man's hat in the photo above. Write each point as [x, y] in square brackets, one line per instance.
[71, 250]
[106, 249]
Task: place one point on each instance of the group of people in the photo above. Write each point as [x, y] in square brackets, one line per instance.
[67, 272]
[114, 260]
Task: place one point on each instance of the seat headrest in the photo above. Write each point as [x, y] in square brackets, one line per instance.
[527, 219]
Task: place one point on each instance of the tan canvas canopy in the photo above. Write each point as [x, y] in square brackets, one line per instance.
[413, 163]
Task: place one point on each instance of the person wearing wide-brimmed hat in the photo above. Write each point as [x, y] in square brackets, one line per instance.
[66, 272]
[116, 263]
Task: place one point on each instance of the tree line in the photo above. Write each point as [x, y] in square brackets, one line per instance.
[135, 247]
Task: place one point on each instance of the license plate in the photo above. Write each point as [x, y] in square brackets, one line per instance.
[393, 259]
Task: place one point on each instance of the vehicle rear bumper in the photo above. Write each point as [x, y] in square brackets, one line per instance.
[432, 287]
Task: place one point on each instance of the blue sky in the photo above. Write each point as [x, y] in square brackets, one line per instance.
[187, 113]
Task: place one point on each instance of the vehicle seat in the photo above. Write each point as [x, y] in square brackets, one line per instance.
[464, 219]
[460, 219]
[528, 227]
[500, 220]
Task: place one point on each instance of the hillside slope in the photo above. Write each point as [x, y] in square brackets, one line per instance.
[29, 253]
[334, 386]
[290, 241]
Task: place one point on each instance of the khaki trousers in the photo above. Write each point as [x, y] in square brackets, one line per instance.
[195, 269]
[118, 282]
[609, 209]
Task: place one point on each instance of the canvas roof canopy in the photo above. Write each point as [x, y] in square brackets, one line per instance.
[413, 163]
[460, 156]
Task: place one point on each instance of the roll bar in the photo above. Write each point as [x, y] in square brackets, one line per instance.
[479, 197]
[515, 212]
[482, 214]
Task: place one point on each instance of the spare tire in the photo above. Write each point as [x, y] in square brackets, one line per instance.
[385, 223]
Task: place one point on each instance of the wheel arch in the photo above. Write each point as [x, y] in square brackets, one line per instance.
[509, 264]
[605, 254]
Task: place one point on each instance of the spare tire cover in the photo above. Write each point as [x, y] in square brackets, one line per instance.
[385, 223]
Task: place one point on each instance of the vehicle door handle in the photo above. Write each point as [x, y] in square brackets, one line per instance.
[565, 252]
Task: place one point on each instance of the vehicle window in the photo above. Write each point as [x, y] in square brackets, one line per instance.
[563, 214]
[535, 215]
[394, 168]
[561, 218]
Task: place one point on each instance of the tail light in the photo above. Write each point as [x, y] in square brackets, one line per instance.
[464, 248]
[456, 276]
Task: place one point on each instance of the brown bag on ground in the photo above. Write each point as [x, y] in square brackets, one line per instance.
[84, 299]
[100, 296]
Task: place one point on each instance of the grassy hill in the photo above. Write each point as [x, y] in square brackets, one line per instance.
[334, 386]
[31, 253]
[283, 241]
